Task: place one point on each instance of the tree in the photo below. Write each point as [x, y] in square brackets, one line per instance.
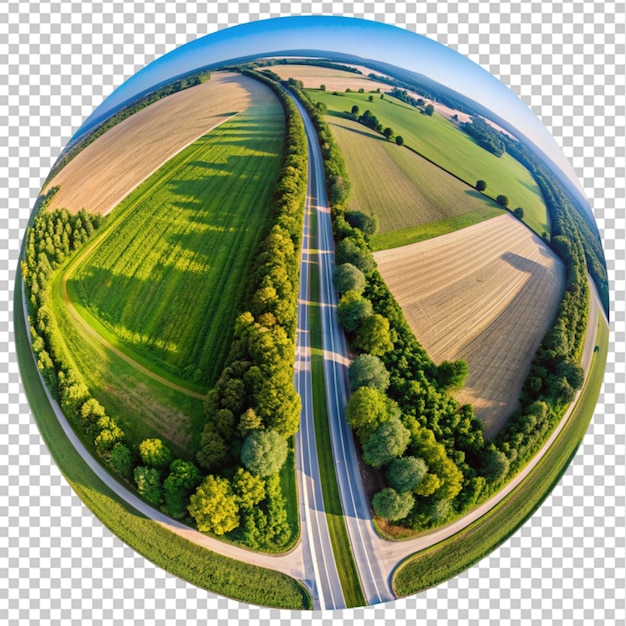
[349, 278]
[148, 481]
[264, 452]
[110, 433]
[429, 110]
[368, 371]
[214, 451]
[249, 489]
[155, 453]
[519, 213]
[406, 473]
[371, 98]
[374, 336]
[495, 464]
[214, 506]
[387, 442]
[481, 185]
[322, 87]
[352, 309]
[452, 374]
[367, 409]
[352, 250]
[399, 140]
[391, 505]
[355, 109]
[121, 460]
[502, 200]
[368, 224]
[248, 422]
[183, 479]
[388, 133]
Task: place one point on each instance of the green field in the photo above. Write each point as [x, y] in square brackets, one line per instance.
[165, 279]
[451, 556]
[178, 556]
[440, 141]
[404, 191]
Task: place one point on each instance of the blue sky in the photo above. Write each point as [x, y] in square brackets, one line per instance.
[362, 38]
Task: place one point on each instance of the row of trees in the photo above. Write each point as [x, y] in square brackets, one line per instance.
[371, 121]
[254, 408]
[486, 136]
[444, 466]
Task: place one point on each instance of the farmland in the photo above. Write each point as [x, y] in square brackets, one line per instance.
[487, 294]
[103, 174]
[166, 277]
[398, 186]
[440, 141]
[335, 80]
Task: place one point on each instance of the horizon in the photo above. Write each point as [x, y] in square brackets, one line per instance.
[373, 41]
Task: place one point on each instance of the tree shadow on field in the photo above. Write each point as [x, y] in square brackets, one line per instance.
[486, 199]
[508, 343]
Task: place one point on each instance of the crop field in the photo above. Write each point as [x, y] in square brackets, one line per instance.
[487, 294]
[167, 275]
[398, 186]
[440, 141]
[335, 80]
[103, 174]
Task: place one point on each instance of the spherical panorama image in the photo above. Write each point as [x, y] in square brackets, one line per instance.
[312, 313]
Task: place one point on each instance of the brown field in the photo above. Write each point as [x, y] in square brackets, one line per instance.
[335, 80]
[488, 294]
[107, 170]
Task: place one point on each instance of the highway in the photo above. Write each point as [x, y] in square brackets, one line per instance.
[325, 584]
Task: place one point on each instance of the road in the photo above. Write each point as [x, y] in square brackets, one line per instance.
[325, 586]
[365, 543]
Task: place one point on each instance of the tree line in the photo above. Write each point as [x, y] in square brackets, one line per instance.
[486, 136]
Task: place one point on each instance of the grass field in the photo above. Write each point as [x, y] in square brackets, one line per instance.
[346, 567]
[105, 172]
[448, 558]
[440, 141]
[167, 275]
[487, 294]
[178, 556]
[401, 188]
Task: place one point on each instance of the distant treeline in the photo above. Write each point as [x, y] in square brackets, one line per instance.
[166, 90]
[402, 94]
[486, 136]
[316, 62]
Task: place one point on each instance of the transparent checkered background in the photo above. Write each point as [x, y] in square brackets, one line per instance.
[58, 60]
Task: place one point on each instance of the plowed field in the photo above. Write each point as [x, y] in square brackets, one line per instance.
[488, 294]
[105, 172]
